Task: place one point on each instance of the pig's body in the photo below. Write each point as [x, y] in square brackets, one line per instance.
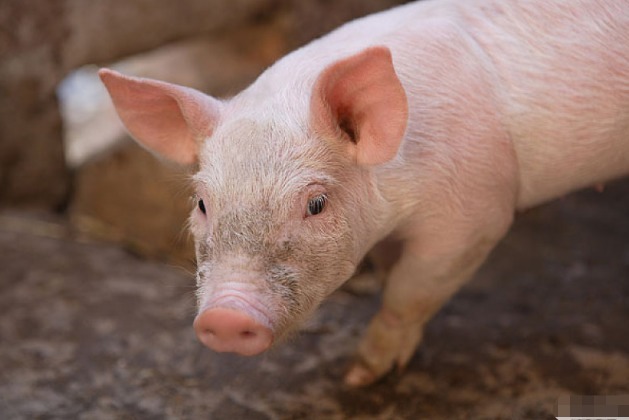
[486, 107]
[557, 70]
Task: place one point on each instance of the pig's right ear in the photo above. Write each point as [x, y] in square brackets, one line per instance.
[361, 101]
[168, 119]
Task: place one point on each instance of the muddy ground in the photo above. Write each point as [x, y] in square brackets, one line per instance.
[89, 331]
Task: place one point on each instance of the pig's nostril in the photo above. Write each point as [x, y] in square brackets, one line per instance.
[223, 329]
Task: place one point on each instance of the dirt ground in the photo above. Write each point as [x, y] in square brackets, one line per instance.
[89, 331]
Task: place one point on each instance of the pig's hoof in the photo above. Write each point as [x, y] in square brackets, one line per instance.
[359, 375]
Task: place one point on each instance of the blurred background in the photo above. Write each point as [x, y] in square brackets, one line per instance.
[96, 283]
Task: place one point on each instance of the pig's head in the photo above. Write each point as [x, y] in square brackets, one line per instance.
[286, 203]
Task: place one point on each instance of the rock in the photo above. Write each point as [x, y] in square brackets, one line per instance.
[130, 197]
[42, 41]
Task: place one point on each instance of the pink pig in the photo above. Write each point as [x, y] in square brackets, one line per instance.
[411, 136]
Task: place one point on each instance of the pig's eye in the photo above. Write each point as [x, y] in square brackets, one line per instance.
[316, 205]
[201, 206]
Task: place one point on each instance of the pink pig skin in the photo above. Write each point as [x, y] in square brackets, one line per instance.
[417, 133]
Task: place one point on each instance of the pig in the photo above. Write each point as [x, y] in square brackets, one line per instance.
[411, 137]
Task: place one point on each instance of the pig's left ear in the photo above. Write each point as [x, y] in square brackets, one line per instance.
[168, 119]
[361, 99]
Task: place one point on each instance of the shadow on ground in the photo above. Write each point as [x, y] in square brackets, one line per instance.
[88, 331]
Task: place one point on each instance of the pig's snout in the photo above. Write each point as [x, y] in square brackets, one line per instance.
[230, 330]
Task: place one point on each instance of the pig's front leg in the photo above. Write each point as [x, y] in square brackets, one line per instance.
[421, 281]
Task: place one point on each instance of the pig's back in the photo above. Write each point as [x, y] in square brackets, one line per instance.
[563, 68]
